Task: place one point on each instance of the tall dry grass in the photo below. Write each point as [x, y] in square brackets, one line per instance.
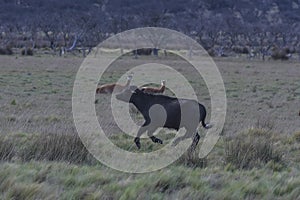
[7, 149]
[251, 149]
[56, 147]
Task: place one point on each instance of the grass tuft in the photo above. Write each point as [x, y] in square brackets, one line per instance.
[251, 149]
[13, 102]
[296, 136]
[191, 159]
[7, 149]
[57, 147]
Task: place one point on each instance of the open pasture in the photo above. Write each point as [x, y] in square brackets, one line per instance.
[36, 93]
[262, 96]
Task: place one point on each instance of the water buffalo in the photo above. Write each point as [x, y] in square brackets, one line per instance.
[164, 111]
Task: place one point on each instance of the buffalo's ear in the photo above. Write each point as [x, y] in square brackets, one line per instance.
[133, 88]
[138, 91]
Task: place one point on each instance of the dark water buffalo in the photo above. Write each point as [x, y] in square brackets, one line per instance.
[164, 111]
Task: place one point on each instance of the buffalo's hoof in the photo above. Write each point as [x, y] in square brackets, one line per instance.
[137, 142]
[156, 140]
[208, 126]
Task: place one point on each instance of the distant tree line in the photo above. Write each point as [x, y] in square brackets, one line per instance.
[223, 27]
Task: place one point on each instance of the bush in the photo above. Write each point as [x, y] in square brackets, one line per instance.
[211, 52]
[143, 51]
[13, 102]
[7, 149]
[296, 136]
[240, 50]
[57, 147]
[6, 51]
[27, 52]
[192, 160]
[280, 54]
[264, 125]
[253, 148]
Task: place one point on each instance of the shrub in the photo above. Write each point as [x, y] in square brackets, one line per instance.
[296, 136]
[143, 51]
[240, 50]
[253, 148]
[211, 52]
[192, 160]
[13, 102]
[2, 51]
[7, 149]
[263, 125]
[6, 51]
[27, 52]
[280, 54]
[57, 147]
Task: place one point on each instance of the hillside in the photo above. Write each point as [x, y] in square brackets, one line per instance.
[206, 20]
[267, 12]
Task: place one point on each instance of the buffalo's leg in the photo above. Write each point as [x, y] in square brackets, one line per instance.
[156, 140]
[193, 146]
[137, 142]
[153, 138]
[177, 140]
[140, 132]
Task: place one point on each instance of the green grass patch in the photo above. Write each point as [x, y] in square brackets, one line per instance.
[7, 148]
[251, 149]
[59, 180]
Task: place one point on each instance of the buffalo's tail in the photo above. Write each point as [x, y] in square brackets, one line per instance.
[202, 111]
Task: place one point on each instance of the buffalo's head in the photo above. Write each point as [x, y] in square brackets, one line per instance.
[127, 93]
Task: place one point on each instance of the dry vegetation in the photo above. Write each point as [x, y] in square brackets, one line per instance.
[251, 149]
[41, 157]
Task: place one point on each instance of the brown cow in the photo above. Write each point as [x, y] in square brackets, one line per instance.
[113, 87]
[152, 90]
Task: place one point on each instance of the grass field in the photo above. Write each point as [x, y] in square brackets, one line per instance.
[41, 156]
